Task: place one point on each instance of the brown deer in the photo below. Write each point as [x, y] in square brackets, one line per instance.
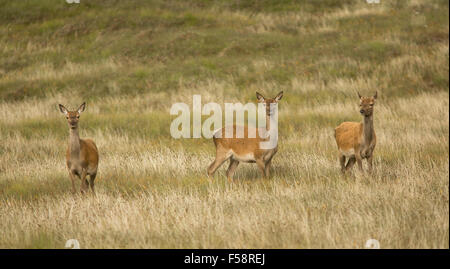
[246, 149]
[357, 140]
[82, 154]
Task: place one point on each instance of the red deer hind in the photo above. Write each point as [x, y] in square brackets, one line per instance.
[356, 140]
[245, 149]
[82, 154]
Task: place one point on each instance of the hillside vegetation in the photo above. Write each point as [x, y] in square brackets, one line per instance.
[131, 60]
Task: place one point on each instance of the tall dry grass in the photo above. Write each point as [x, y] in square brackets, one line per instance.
[152, 190]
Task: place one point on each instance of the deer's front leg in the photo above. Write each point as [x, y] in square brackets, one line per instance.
[262, 167]
[84, 182]
[359, 160]
[267, 168]
[72, 178]
[364, 152]
[369, 161]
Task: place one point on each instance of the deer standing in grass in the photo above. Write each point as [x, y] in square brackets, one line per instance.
[357, 140]
[246, 149]
[82, 154]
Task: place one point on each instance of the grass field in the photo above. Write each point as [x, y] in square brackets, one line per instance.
[131, 60]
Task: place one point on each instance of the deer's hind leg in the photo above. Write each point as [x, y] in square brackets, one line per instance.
[91, 181]
[232, 168]
[221, 157]
[342, 161]
[350, 163]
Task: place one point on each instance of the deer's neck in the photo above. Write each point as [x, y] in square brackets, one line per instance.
[269, 120]
[74, 143]
[368, 129]
[270, 133]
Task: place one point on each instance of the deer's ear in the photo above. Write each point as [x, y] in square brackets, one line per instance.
[359, 95]
[375, 96]
[260, 97]
[279, 96]
[63, 109]
[82, 107]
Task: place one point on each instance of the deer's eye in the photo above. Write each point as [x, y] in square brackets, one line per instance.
[67, 117]
[78, 117]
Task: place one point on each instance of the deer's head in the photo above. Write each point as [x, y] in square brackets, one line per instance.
[72, 116]
[267, 101]
[366, 104]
